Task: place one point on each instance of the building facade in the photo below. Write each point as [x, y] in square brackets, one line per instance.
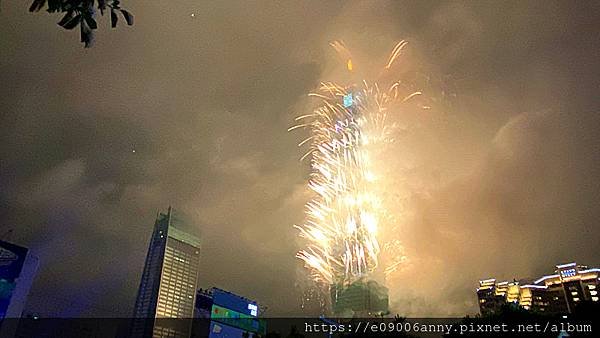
[166, 296]
[558, 293]
[18, 268]
[221, 313]
[363, 298]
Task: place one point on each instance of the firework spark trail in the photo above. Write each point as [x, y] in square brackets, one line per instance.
[343, 219]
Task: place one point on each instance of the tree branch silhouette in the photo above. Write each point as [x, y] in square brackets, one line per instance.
[83, 13]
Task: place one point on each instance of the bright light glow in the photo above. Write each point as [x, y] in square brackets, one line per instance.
[344, 217]
[485, 281]
[534, 286]
[253, 309]
[544, 278]
[348, 100]
[565, 265]
[568, 273]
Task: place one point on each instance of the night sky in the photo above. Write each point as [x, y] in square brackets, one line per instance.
[193, 110]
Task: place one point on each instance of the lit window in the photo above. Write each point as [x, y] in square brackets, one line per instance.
[253, 309]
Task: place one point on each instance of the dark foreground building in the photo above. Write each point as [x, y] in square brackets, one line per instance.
[17, 271]
[558, 293]
[220, 313]
[165, 301]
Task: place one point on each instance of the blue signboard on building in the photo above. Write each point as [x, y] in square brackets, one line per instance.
[230, 310]
[220, 330]
[348, 100]
[12, 259]
[234, 302]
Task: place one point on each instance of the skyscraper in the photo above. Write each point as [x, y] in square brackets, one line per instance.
[363, 298]
[168, 286]
[17, 271]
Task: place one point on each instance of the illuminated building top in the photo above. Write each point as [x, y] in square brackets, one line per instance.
[560, 292]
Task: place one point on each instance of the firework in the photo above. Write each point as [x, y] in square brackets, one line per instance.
[344, 218]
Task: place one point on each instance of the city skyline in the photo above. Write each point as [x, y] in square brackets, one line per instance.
[500, 179]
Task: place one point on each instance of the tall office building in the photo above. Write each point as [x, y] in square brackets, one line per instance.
[17, 271]
[363, 298]
[166, 296]
[558, 293]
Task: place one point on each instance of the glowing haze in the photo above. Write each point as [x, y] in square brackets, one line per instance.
[500, 179]
[347, 215]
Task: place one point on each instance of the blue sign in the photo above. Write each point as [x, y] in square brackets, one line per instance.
[224, 331]
[233, 302]
[568, 273]
[348, 100]
[12, 259]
